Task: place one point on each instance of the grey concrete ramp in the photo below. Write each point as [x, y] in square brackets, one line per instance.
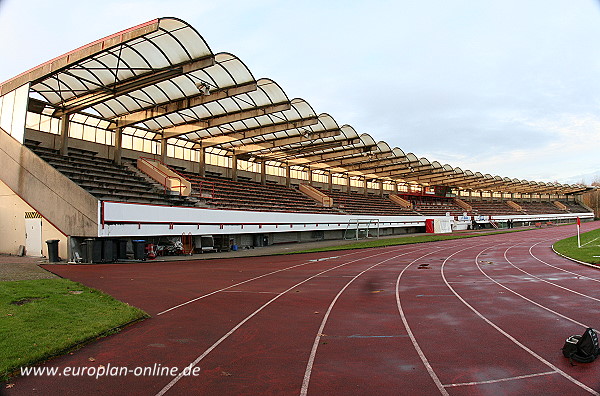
[63, 203]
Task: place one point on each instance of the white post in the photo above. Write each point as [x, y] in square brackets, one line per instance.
[578, 238]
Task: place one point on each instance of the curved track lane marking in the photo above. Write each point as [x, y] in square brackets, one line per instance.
[547, 281]
[241, 323]
[313, 352]
[558, 268]
[522, 296]
[246, 281]
[504, 333]
[500, 380]
[413, 339]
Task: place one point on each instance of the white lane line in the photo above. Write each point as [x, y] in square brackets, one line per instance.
[522, 296]
[240, 324]
[248, 291]
[241, 283]
[500, 379]
[558, 268]
[547, 281]
[313, 352]
[504, 333]
[413, 339]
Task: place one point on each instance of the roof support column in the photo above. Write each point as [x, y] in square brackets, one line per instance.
[330, 181]
[396, 187]
[288, 175]
[64, 134]
[202, 161]
[348, 183]
[381, 188]
[234, 167]
[310, 175]
[364, 180]
[263, 172]
[163, 150]
[118, 145]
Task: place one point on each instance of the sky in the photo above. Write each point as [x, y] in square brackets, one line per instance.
[509, 88]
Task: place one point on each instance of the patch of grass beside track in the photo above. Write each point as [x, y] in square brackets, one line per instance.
[590, 247]
[43, 318]
[405, 240]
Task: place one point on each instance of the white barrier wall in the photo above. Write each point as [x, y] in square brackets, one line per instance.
[544, 217]
[118, 219]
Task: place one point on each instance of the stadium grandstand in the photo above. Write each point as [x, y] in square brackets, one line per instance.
[147, 135]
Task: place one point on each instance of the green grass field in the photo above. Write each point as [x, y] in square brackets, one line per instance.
[405, 240]
[44, 318]
[590, 247]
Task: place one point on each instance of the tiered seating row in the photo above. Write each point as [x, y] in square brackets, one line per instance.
[486, 208]
[246, 195]
[108, 181]
[104, 179]
[434, 206]
[574, 207]
[360, 204]
[540, 208]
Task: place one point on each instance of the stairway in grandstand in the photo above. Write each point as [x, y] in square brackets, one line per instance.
[104, 179]
[360, 204]
[225, 193]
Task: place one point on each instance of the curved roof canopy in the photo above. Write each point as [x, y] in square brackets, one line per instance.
[161, 80]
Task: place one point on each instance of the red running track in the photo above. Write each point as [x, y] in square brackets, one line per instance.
[480, 316]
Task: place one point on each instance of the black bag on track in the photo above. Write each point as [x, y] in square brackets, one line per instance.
[582, 348]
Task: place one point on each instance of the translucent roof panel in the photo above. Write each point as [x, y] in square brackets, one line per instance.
[263, 96]
[171, 42]
[367, 140]
[228, 71]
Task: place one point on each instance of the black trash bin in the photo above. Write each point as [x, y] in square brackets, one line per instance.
[53, 250]
[139, 247]
[108, 251]
[94, 250]
[122, 250]
[84, 252]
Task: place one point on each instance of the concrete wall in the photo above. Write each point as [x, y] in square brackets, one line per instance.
[71, 209]
[592, 200]
[12, 225]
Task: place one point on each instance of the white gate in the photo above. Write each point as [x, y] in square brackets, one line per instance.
[362, 228]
